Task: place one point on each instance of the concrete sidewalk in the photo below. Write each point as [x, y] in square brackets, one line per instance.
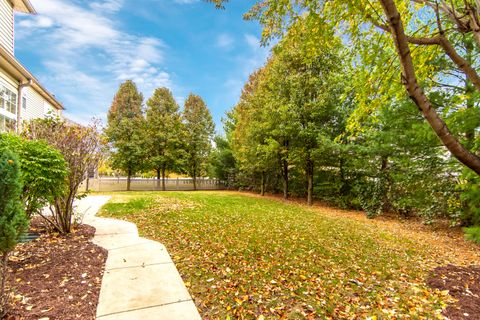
[140, 280]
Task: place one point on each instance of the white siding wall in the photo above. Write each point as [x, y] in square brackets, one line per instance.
[7, 81]
[35, 108]
[48, 109]
[6, 25]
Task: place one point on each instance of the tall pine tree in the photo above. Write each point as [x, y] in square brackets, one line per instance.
[199, 128]
[125, 130]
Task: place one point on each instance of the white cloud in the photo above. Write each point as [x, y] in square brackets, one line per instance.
[252, 41]
[186, 1]
[37, 22]
[259, 54]
[225, 41]
[107, 5]
[87, 54]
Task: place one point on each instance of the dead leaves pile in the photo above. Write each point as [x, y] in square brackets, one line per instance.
[250, 258]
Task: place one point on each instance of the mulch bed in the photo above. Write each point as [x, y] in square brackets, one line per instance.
[463, 283]
[55, 276]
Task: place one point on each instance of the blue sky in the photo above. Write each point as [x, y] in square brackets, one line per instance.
[82, 50]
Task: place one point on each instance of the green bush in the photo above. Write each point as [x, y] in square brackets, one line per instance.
[81, 148]
[470, 188]
[13, 221]
[43, 168]
[473, 234]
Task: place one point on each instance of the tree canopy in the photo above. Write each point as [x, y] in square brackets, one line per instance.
[199, 129]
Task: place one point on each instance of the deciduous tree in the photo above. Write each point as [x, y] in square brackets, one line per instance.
[125, 130]
[164, 131]
[81, 147]
[199, 129]
[371, 26]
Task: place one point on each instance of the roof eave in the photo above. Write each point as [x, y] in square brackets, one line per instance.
[24, 6]
[23, 76]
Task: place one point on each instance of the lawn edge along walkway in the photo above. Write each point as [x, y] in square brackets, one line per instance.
[140, 279]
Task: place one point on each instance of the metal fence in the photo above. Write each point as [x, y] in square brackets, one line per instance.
[150, 184]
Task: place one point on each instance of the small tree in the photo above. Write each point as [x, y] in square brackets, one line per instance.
[199, 129]
[164, 127]
[81, 148]
[222, 162]
[125, 130]
[43, 171]
[12, 217]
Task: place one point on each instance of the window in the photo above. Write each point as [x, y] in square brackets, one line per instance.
[8, 100]
[6, 124]
[24, 103]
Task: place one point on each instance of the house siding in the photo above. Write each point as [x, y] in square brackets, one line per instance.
[7, 81]
[6, 26]
[35, 104]
[49, 110]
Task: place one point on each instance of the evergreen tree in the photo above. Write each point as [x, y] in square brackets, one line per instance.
[13, 220]
[125, 130]
[164, 129]
[199, 129]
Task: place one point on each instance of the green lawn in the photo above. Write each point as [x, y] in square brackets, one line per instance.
[250, 257]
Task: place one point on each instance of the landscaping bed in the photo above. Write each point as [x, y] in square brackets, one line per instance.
[463, 283]
[249, 257]
[55, 276]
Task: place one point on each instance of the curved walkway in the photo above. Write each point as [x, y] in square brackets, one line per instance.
[140, 280]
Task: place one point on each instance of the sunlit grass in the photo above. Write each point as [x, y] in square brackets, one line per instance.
[246, 257]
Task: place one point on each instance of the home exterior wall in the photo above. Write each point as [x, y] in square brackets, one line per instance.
[7, 80]
[49, 110]
[6, 26]
[34, 104]
[7, 117]
[22, 98]
[37, 106]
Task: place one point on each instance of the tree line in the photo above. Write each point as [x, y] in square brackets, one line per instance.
[158, 137]
[365, 105]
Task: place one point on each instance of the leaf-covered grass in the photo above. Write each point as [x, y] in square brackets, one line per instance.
[248, 257]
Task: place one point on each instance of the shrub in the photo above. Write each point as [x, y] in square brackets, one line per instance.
[12, 216]
[43, 171]
[470, 188]
[81, 149]
[473, 234]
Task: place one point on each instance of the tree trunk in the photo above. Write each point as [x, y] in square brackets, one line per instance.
[129, 177]
[386, 181]
[417, 94]
[309, 171]
[285, 178]
[3, 296]
[262, 184]
[163, 178]
[194, 179]
[158, 178]
[344, 188]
